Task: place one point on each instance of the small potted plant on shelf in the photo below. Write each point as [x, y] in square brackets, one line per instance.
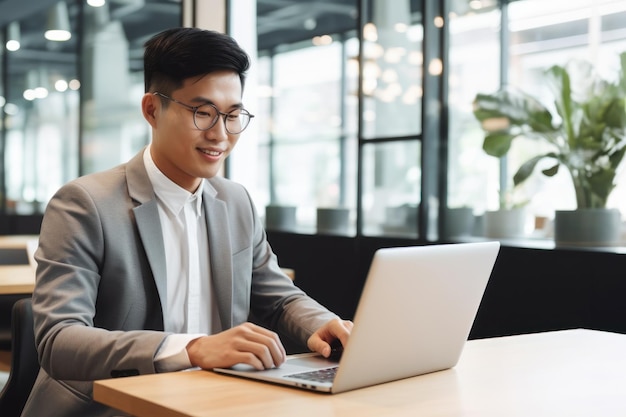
[510, 220]
[280, 217]
[333, 220]
[587, 136]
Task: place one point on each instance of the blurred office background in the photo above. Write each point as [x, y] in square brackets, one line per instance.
[363, 113]
[401, 148]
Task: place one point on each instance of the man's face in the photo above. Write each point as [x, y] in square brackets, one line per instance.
[181, 151]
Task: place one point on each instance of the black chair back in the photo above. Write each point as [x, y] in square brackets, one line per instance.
[6, 312]
[24, 361]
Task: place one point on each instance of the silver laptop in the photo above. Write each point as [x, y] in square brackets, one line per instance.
[414, 316]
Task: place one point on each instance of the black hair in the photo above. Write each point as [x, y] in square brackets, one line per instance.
[174, 55]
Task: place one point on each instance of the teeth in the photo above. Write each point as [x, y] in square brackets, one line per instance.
[212, 153]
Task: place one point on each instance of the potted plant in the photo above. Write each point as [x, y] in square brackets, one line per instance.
[510, 220]
[587, 134]
[333, 220]
[280, 217]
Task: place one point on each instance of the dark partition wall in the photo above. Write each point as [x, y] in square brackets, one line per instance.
[530, 290]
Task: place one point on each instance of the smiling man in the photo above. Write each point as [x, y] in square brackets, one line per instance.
[159, 264]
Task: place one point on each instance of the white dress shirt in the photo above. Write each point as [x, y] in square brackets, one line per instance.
[192, 311]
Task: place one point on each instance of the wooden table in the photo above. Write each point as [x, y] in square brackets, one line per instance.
[16, 241]
[565, 373]
[17, 279]
[17, 249]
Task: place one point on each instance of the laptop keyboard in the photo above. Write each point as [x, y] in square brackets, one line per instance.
[319, 375]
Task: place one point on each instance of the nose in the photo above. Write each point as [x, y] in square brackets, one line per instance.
[218, 130]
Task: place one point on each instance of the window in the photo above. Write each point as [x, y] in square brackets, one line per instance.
[391, 120]
[307, 97]
[64, 116]
[318, 126]
[474, 62]
[489, 48]
[543, 34]
[41, 112]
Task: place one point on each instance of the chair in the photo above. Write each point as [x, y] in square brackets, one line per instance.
[7, 301]
[12, 256]
[24, 361]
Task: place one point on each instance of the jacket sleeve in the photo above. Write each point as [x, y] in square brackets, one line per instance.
[94, 294]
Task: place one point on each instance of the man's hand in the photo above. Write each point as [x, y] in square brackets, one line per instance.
[247, 343]
[335, 329]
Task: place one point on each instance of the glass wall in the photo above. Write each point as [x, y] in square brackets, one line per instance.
[41, 110]
[514, 46]
[543, 34]
[331, 105]
[339, 91]
[308, 116]
[391, 188]
[392, 70]
[72, 105]
[112, 78]
[474, 66]
[391, 123]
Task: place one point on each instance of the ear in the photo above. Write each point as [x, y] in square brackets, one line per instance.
[150, 105]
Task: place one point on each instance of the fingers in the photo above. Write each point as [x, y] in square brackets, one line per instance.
[248, 344]
[263, 345]
[335, 329]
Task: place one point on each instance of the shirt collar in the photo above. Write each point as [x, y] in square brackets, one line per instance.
[173, 196]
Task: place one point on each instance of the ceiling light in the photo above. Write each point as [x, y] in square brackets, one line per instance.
[370, 33]
[58, 28]
[41, 92]
[29, 94]
[11, 109]
[475, 4]
[13, 38]
[74, 84]
[310, 24]
[96, 3]
[435, 67]
[61, 85]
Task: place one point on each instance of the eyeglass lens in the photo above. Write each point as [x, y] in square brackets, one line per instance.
[235, 121]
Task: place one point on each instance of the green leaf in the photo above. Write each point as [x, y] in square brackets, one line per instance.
[563, 99]
[518, 108]
[616, 157]
[497, 144]
[551, 172]
[528, 167]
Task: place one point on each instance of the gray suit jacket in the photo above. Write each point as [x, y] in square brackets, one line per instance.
[100, 296]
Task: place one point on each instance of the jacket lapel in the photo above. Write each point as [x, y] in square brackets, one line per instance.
[148, 223]
[220, 254]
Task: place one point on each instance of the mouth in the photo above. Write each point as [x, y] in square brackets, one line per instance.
[211, 153]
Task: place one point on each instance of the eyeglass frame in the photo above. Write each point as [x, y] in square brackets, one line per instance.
[194, 109]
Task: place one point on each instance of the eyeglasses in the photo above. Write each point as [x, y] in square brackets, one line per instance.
[206, 116]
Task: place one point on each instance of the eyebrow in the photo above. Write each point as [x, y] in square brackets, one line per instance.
[203, 100]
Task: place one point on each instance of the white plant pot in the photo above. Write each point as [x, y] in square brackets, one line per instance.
[505, 223]
[333, 220]
[459, 222]
[587, 227]
[281, 218]
[401, 218]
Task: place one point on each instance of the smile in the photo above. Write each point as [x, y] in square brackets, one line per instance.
[210, 153]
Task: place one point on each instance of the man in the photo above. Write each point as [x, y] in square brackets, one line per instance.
[159, 264]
